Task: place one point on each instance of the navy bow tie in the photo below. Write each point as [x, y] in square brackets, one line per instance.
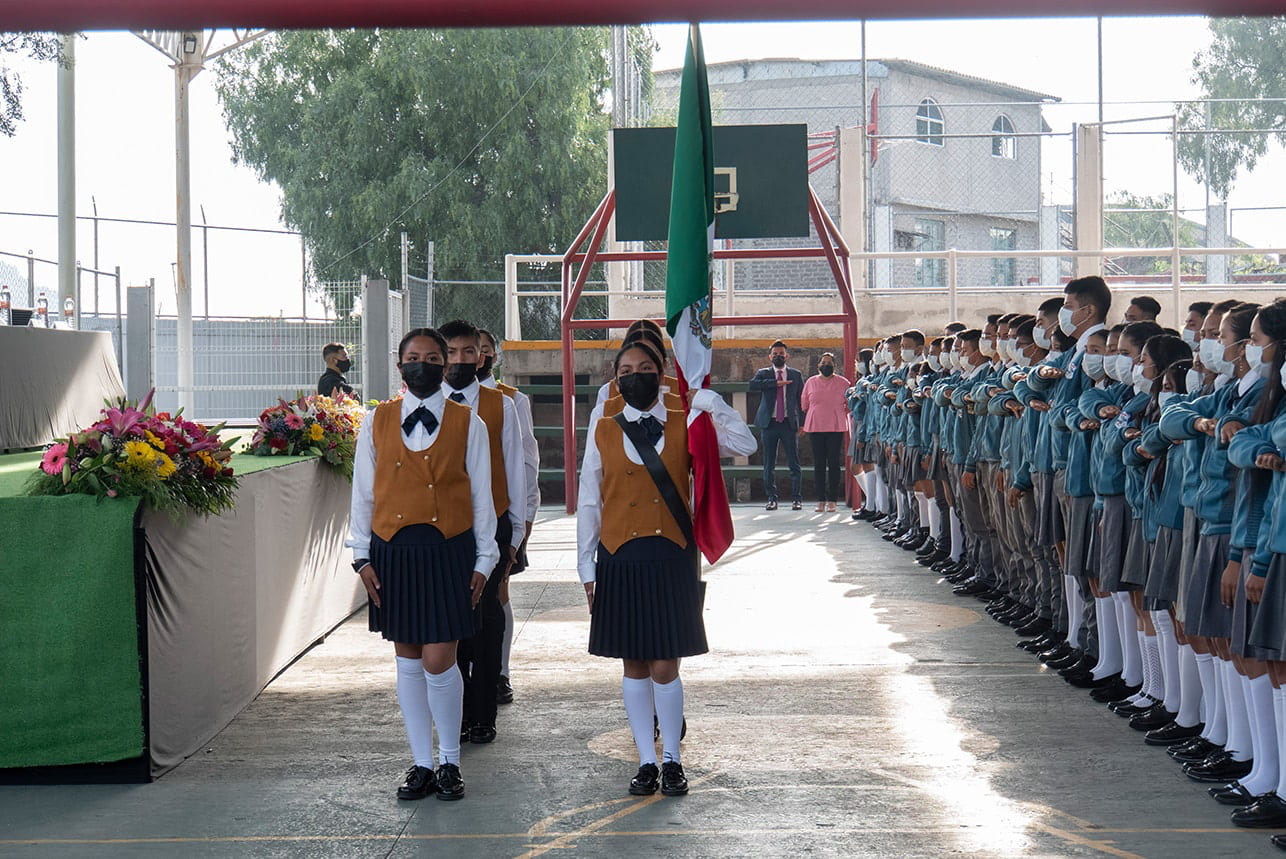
[652, 427]
[421, 415]
[458, 397]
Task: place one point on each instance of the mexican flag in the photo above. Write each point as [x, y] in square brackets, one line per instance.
[688, 309]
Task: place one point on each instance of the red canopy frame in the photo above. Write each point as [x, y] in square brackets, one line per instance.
[831, 247]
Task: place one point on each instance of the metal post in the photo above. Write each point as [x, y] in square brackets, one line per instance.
[31, 278]
[406, 269]
[952, 294]
[94, 202]
[303, 277]
[66, 170]
[205, 259]
[184, 71]
[1176, 279]
[428, 275]
[120, 329]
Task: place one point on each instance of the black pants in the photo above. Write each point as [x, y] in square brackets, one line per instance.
[781, 431]
[479, 656]
[827, 466]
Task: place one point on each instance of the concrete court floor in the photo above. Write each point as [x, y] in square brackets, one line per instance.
[850, 706]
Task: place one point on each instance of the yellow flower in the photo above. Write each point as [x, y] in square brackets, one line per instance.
[153, 440]
[315, 432]
[206, 459]
[165, 466]
[139, 455]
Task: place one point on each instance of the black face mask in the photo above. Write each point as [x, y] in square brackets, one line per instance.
[826, 369]
[639, 389]
[779, 361]
[484, 372]
[422, 378]
[344, 365]
[461, 376]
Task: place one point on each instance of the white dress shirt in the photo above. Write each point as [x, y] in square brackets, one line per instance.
[477, 463]
[530, 448]
[735, 439]
[510, 452]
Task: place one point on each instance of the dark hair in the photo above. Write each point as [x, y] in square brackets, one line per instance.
[993, 318]
[1178, 373]
[642, 325]
[431, 333]
[936, 341]
[778, 344]
[1164, 351]
[643, 346]
[948, 343]
[1026, 328]
[1225, 305]
[1272, 320]
[651, 337]
[1091, 290]
[1147, 304]
[1060, 339]
[482, 332]
[1140, 333]
[331, 348]
[1239, 319]
[1050, 306]
[866, 355]
[1006, 318]
[1202, 307]
[955, 327]
[457, 329]
[972, 335]
[913, 335]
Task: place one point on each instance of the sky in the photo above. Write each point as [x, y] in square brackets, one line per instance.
[125, 138]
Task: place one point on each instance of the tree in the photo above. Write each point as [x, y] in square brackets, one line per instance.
[38, 46]
[485, 141]
[1148, 222]
[1244, 63]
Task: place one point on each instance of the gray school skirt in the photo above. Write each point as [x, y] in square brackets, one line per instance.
[1114, 538]
[1080, 531]
[1162, 588]
[1206, 615]
[1187, 553]
[1267, 624]
[1134, 572]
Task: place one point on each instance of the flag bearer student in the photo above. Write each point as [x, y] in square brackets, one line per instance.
[636, 559]
[490, 352]
[1219, 415]
[669, 384]
[1086, 303]
[422, 530]
[1267, 332]
[479, 654]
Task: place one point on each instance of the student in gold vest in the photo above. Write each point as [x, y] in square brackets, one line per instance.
[640, 572]
[421, 529]
[490, 347]
[479, 655]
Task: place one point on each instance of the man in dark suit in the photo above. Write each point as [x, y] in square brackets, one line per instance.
[779, 419]
[332, 382]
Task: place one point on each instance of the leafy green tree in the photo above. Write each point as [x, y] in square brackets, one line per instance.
[485, 141]
[1147, 222]
[38, 46]
[1244, 62]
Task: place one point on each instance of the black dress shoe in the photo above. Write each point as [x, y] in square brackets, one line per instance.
[1037, 626]
[1128, 707]
[450, 784]
[1194, 751]
[1032, 645]
[1168, 735]
[971, 589]
[504, 692]
[465, 728]
[1231, 794]
[796, 505]
[1279, 841]
[1059, 650]
[1156, 717]
[646, 782]
[927, 548]
[1114, 692]
[1072, 659]
[1218, 768]
[420, 782]
[1088, 681]
[771, 505]
[1268, 811]
[481, 734]
[933, 560]
[673, 781]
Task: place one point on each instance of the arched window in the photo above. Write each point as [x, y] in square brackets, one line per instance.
[1003, 142]
[928, 123]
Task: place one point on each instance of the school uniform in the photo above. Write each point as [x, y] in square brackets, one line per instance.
[1266, 636]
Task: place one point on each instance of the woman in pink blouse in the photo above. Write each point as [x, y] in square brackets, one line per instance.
[826, 420]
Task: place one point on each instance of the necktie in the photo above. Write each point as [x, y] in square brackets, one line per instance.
[458, 397]
[652, 427]
[421, 415]
[781, 397]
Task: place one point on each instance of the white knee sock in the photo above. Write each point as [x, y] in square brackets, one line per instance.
[413, 698]
[1263, 774]
[1152, 653]
[935, 521]
[1131, 653]
[923, 503]
[1240, 740]
[446, 702]
[1279, 707]
[957, 535]
[1072, 590]
[1109, 638]
[1209, 689]
[864, 483]
[1169, 651]
[1190, 686]
[1217, 724]
[637, 693]
[506, 643]
[1148, 690]
[669, 714]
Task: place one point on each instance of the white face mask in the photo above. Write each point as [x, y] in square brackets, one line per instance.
[1164, 397]
[1125, 369]
[1065, 315]
[986, 347]
[935, 363]
[1211, 352]
[1021, 359]
[1041, 336]
[1189, 337]
[1222, 364]
[1111, 369]
[1255, 358]
[1283, 375]
[908, 355]
[1193, 379]
[1093, 366]
[1142, 384]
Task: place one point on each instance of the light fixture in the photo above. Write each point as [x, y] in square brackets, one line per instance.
[189, 43]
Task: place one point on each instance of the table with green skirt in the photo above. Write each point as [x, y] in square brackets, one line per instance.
[128, 640]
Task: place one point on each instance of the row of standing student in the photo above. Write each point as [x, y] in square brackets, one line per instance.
[1114, 493]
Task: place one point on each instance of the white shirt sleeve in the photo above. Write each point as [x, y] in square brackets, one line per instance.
[477, 462]
[515, 470]
[589, 508]
[363, 497]
[531, 454]
[735, 438]
[603, 393]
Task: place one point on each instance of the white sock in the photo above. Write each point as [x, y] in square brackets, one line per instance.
[957, 535]
[864, 484]
[1279, 706]
[1131, 653]
[1169, 654]
[1263, 774]
[924, 505]
[881, 496]
[935, 521]
[669, 714]
[446, 702]
[1151, 682]
[1209, 691]
[506, 643]
[412, 695]
[1190, 687]
[1072, 591]
[1109, 638]
[1217, 725]
[1152, 653]
[637, 692]
[1240, 740]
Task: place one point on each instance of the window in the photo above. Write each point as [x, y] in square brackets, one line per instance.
[1004, 271]
[929, 126]
[930, 235]
[1003, 142]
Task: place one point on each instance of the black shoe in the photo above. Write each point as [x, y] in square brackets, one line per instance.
[465, 731]
[1231, 794]
[771, 505]
[1156, 717]
[1087, 680]
[420, 782]
[1168, 735]
[971, 589]
[673, 781]
[933, 560]
[481, 734]
[946, 567]
[1058, 650]
[504, 692]
[1038, 626]
[1032, 645]
[1268, 811]
[1114, 692]
[930, 547]
[1218, 768]
[646, 782]
[1279, 841]
[796, 505]
[450, 784]
[1194, 751]
[1071, 659]
[1128, 706]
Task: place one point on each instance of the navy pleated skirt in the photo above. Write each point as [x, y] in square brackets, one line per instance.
[647, 602]
[424, 586]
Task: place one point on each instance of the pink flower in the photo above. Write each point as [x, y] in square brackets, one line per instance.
[54, 460]
[294, 421]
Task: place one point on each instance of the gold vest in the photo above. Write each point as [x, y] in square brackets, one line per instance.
[491, 408]
[425, 487]
[632, 505]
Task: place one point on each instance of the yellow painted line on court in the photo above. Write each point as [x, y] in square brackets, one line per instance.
[1093, 844]
[541, 828]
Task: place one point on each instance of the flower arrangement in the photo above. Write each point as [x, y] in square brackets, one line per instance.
[174, 465]
[325, 427]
